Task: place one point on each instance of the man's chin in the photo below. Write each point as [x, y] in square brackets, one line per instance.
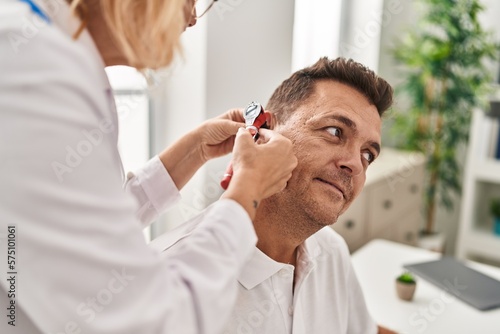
[324, 216]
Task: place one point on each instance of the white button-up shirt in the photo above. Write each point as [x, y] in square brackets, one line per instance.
[81, 261]
[327, 298]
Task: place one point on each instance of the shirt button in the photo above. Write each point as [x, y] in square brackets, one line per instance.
[285, 274]
[290, 311]
[130, 175]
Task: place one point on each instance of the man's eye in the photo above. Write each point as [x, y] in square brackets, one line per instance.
[334, 131]
[369, 157]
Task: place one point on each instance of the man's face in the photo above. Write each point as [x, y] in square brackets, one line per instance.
[336, 134]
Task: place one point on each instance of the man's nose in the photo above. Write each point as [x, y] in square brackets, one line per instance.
[350, 162]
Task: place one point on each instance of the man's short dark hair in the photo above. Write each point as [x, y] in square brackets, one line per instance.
[299, 87]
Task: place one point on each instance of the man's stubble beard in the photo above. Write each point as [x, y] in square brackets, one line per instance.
[296, 214]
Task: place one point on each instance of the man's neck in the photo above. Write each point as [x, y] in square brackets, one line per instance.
[280, 232]
[274, 244]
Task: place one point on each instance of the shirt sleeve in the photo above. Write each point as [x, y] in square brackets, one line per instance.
[154, 190]
[82, 263]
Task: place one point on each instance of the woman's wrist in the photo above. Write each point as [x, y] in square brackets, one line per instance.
[183, 158]
[243, 191]
[197, 143]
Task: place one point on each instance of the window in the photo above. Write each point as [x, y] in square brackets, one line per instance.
[133, 107]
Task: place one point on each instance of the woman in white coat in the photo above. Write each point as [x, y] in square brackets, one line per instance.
[73, 255]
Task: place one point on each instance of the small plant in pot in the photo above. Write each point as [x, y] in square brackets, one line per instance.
[495, 212]
[405, 286]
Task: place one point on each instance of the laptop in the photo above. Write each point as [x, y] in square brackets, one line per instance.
[465, 283]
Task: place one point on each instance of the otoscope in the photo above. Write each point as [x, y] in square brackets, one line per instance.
[255, 118]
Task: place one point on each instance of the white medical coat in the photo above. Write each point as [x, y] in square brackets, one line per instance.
[81, 262]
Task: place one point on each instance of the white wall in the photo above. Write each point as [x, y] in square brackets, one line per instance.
[361, 31]
[249, 55]
[238, 53]
[249, 51]
[490, 21]
[179, 106]
[316, 31]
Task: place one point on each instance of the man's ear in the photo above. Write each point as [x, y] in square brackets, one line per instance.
[270, 120]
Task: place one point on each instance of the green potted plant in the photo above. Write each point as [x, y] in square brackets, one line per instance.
[495, 212]
[443, 61]
[405, 286]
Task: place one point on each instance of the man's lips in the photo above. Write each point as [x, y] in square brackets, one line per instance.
[333, 184]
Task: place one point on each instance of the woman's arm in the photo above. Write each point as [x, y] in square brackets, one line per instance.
[260, 170]
[82, 262]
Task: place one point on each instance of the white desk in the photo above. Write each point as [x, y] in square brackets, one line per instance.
[432, 311]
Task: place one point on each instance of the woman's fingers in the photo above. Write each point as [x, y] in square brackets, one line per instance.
[233, 115]
[269, 164]
[244, 141]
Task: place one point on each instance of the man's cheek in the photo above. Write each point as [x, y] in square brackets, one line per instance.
[358, 187]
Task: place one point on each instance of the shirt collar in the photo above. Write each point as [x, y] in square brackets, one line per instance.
[260, 267]
[309, 250]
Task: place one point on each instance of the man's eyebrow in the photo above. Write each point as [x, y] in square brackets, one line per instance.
[346, 121]
[351, 125]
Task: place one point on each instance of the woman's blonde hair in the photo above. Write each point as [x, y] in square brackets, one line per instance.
[146, 31]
